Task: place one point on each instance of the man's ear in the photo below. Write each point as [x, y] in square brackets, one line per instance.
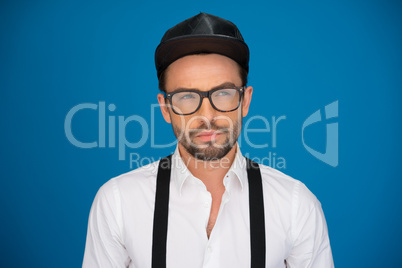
[248, 92]
[164, 108]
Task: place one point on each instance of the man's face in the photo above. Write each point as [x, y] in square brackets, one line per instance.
[206, 134]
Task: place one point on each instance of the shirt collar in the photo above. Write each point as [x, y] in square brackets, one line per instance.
[239, 167]
[180, 173]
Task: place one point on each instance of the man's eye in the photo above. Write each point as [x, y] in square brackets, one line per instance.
[187, 97]
[224, 93]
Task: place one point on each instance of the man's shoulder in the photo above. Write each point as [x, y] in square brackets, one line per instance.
[278, 182]
[273, 176]
[144, 172]
[138, 178]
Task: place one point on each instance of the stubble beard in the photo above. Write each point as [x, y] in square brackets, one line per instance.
[208, 151]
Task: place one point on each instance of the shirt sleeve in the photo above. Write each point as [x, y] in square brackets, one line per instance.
[104, 246]
[311, 246]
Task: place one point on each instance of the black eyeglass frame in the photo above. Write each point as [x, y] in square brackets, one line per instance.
[205, 94]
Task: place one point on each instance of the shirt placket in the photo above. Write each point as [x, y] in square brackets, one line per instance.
[211, 255]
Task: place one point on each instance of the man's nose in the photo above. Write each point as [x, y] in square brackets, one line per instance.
[207, 110]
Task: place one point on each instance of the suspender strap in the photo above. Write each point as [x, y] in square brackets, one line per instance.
[159, 238]
[257, 218]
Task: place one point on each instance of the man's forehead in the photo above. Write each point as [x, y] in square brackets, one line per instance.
[202, 72]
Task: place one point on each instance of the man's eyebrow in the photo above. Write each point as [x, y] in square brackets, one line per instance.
[223, 85]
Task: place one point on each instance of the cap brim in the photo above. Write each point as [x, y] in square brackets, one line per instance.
[174, 49]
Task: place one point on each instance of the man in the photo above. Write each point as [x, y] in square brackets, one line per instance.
[206, 205]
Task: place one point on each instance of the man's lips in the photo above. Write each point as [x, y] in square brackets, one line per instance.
[208, 135]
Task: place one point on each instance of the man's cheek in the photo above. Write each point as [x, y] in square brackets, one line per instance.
[225, 121]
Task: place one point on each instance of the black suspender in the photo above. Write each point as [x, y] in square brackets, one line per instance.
[257, 220]
[159, 238]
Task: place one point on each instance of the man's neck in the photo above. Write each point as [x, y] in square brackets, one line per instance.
[211, 173]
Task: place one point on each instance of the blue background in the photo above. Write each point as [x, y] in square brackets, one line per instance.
[304, 55]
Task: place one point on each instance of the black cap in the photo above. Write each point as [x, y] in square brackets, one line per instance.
[203, 33]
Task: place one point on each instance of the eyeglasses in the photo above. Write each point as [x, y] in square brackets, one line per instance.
[186, 102]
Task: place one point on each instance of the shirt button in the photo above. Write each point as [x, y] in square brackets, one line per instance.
[206, 204]
[209, 249]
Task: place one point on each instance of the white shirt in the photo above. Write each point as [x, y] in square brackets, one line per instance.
[121, 221]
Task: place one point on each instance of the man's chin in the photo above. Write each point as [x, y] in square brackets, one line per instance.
[210, 146]
[209, 153]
